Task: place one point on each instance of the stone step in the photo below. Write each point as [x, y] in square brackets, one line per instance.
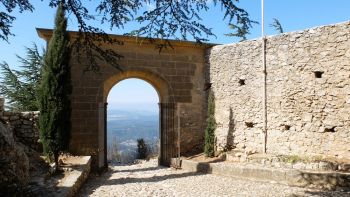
[290, 162]
[79, 172]
[292, 177]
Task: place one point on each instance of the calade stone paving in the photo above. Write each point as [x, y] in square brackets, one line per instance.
[147, 179]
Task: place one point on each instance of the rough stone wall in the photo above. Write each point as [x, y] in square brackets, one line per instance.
[308, 92]
[23, 126]
[14, 168]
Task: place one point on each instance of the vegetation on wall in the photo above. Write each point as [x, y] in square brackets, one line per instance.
[209, 146]
[277, 25]
[54, 91]
[19, 87]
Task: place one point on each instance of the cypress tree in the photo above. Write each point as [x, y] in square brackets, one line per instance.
[54, 91]
[211, 126]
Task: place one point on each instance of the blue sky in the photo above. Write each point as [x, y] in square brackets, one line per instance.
[133, 94]
[293, 15]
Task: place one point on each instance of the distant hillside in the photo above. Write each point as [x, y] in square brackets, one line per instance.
[126, 126]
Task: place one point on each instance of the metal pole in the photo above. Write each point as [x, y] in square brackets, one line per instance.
[178, 134]
[264, 76]
[262, 19]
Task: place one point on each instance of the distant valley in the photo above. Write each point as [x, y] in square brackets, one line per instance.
[124, 127]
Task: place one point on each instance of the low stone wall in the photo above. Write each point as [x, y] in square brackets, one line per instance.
[308, 92]
[78, 172]
[292, 177]
[14, 164]
[24, 126]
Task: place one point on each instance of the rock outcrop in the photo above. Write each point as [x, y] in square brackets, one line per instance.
[14, 164]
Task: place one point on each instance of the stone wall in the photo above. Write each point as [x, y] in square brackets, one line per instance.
[14, 168]
[308, 92]
[24, 126]
[176, 73]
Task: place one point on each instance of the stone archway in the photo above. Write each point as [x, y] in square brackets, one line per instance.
[178, 73]
[166, 113]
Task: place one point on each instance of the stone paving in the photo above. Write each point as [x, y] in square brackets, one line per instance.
[147, 179]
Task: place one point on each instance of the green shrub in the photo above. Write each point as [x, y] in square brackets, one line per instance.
[209, 146]
[142, 149]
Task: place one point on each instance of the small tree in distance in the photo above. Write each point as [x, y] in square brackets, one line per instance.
[113, 154]
[142, 149]
[209, 146]
[54, 92]
[277, 25]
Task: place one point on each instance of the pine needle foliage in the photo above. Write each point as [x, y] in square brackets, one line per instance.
[241, 28]
[238, 32]
[157, 18]
[19, 87]
[162, 19]
[55, 88]
[209, 146]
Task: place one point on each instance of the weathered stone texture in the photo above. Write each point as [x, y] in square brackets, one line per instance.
[306, 114]
[236, 104]
[14, 164]
[24, 127]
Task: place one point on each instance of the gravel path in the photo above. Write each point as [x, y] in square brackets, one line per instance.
[147, 179]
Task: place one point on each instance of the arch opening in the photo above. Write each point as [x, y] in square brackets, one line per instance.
[133, 120]
[166, 107]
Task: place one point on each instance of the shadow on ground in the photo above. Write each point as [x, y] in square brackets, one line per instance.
[137, 170]
[106, 179]
[324, 194]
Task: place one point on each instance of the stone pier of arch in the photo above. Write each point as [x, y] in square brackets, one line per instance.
[178, 76]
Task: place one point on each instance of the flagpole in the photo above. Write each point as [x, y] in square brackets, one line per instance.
[262, 19]
[264, 76]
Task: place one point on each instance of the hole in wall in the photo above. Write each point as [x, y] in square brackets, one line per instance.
[286, 127]
[318, 74]
[331, 130]
[249, 124]
[207, 86]
[241, 82]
